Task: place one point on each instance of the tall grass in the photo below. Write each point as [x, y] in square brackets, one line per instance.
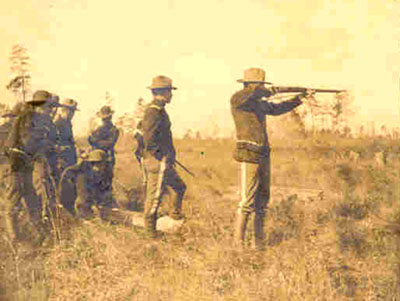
[343, 246]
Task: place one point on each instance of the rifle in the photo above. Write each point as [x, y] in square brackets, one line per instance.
[184, 168]
[140, 146]
[282, 89]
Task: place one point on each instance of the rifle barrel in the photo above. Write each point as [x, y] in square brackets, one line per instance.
[281, 89]
[184, 168]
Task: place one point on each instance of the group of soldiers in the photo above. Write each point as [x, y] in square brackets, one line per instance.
[37, 140]
[44, 162]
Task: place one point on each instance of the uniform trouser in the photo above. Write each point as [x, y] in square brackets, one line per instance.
[51, 158]
[45, 184]
[110, 173]
[159, 176]
[66, 159]
[69, 193]
[255, 194]
[20, 194]
[110, 166]
[94, 196]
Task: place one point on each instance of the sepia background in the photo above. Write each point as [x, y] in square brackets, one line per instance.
[85, 48]
[333, 221]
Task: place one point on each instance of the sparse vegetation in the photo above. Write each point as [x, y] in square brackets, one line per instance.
[342, 246]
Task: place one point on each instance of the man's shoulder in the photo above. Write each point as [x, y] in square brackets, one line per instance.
[114, 128]
[153, 107]
[42, 120]
[61, 122]
[238, 92]
[238, 96]
[152, 111]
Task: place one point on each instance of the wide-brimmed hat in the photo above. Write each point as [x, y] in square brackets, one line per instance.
[254, 75]
[70, 104]
[105, 111]
[162, 82]
[40, 97]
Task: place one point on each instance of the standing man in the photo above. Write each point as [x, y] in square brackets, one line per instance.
[159, 155]
[46, 170]
[104, 137]
[26, 146]
[66, 150]
[249, 112]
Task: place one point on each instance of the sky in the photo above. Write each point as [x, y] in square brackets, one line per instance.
[83, 48]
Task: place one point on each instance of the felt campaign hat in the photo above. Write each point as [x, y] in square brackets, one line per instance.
[162, 82]
[254, 75]
[105, 112]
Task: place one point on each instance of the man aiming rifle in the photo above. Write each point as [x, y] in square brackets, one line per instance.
[249, 107]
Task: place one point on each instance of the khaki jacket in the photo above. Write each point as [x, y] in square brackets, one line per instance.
[249, 111]
[105, 137]
[157, 135]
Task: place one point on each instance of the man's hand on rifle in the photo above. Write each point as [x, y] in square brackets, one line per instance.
[273, 90]
[308, 94]
[171, 157]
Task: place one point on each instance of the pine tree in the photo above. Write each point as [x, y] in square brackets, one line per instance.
[20, 83]
[109, 99]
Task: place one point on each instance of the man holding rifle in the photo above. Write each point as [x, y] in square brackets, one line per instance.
[159, 155]
[252, 148]
[29, 141]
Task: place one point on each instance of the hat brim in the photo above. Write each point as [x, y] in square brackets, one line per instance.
[36, 102]
[253, 81]
[69, 107]
[155, 87]
[105, 115]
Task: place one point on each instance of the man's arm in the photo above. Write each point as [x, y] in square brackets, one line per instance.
[244, 100]
[138, 136]
[97, 139]
[151, 131]
[248, 99]
[114, 136]
[270, 108]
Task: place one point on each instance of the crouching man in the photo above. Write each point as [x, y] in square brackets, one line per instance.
[92, 184]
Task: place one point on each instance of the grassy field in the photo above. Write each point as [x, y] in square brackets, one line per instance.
[342, 246]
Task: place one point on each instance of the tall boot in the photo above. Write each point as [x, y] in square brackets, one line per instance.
[241, 225]
[11, 223]
[259, 236]
[150, 222]
[177, 210]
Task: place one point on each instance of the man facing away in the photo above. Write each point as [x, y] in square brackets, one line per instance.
[253, 151]
[159, 155]
[46, 172]
[49, 114]
[105, 137]
[66, 149]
